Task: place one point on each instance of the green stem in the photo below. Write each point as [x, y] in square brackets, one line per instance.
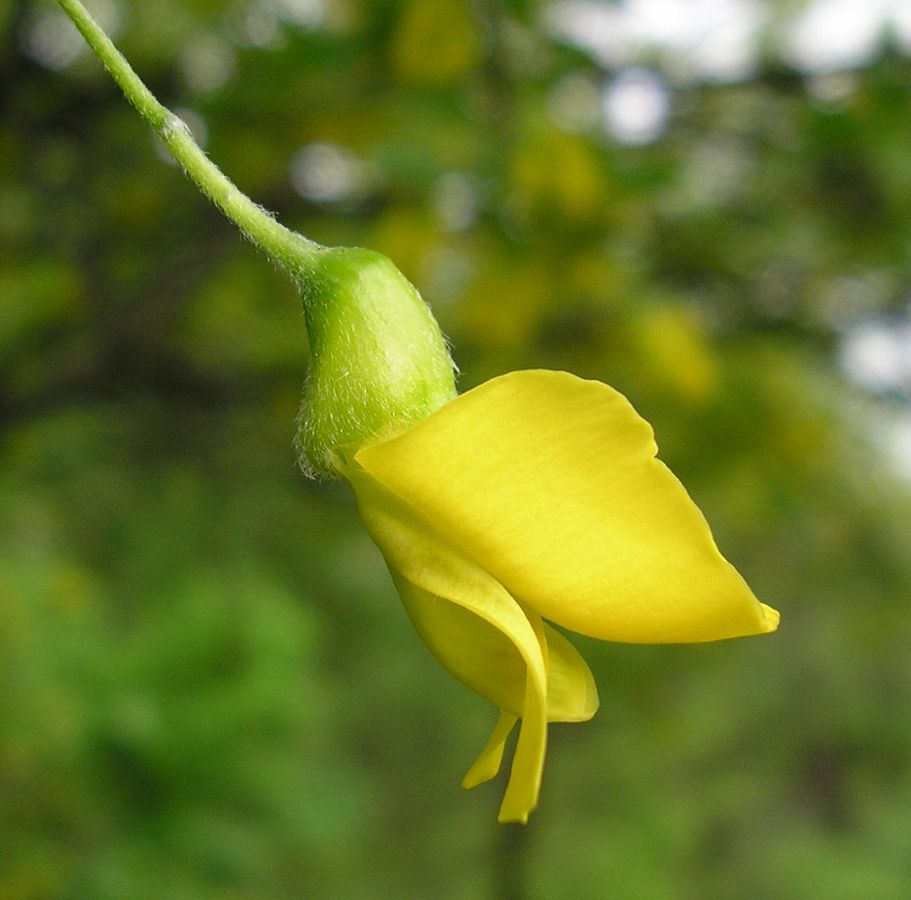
[288, 248]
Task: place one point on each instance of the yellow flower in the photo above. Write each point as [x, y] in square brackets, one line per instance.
[537, 496]
[531, 499]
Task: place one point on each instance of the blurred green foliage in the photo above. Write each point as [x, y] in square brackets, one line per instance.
[207, 686]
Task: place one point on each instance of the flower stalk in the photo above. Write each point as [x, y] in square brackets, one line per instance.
[291, 250]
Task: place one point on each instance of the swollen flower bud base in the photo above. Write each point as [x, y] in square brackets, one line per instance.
[378, 361]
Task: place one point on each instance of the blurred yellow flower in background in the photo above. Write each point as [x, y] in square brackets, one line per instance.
[538, 496]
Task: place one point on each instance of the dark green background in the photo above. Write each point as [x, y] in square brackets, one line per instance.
[208, 688]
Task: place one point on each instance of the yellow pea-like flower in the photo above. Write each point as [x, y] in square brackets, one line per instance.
[538, 496]
[534, 498]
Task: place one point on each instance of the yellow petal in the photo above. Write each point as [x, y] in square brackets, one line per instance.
[550, 483]
[571, 692]
[487, 660]
[433, 575]
[488, 762]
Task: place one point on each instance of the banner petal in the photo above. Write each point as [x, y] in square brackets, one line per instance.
[551, 484]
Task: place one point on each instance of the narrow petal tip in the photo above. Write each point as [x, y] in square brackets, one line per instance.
[770, 618]
[510, 818]
[486, 766]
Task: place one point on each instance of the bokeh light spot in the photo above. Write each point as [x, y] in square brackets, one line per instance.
[636, 106]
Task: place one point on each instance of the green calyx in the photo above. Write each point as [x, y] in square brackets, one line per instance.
[378, 359]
